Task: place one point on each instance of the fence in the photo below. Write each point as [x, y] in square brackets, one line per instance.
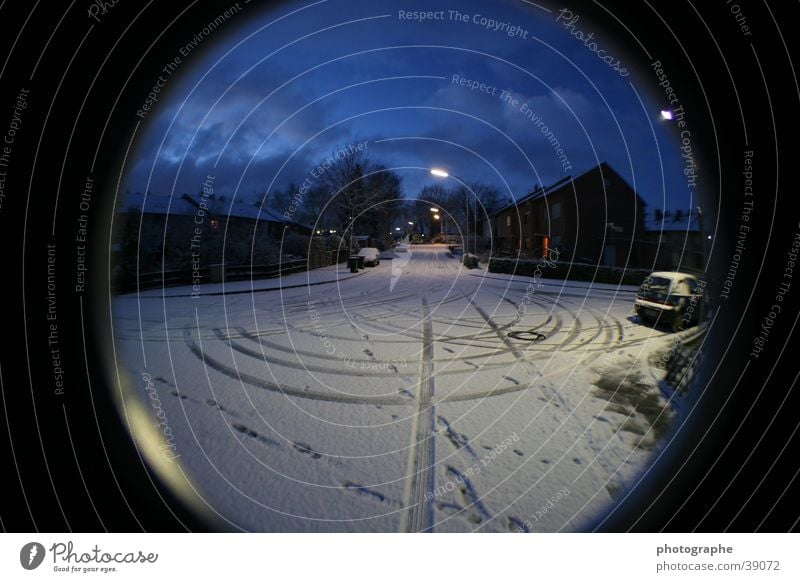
[218, 273]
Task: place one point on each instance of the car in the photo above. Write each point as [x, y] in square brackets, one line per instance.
[401, 248]
[671, 298]
[372, 256]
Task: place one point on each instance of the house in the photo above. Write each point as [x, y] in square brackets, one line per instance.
[210, 212]
[161, 233]
[673, 245]
[595, 217]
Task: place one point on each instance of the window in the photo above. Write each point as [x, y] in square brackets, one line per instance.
[508, 220]
[555, 210]
[525, 217]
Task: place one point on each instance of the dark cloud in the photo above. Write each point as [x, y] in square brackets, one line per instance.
[268, 111]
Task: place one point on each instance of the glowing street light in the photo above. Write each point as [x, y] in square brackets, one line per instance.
[397, 228]
[411, 223]
[666, 114]
[434, 210]
[439, 173]
[436, 217]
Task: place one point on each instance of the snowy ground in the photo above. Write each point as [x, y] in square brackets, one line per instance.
[396, 400]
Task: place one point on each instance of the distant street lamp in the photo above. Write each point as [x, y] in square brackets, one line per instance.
[439, 173]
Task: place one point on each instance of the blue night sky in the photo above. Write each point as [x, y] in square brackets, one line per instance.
[262, 104]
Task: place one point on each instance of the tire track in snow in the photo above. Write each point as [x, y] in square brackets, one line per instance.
[418, 516]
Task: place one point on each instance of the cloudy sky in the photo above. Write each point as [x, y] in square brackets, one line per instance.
[279, 90]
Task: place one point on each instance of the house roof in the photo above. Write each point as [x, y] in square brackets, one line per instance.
[688, 222]
[542, 192]
[187, 205]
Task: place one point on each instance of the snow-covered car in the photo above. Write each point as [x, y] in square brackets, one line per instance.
[401, 249]
[372, 256]
[670, 298]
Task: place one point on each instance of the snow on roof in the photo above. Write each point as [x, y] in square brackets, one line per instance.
[187, 205]
[667, 224]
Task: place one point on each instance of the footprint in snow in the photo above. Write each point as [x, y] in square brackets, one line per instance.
[306, 450]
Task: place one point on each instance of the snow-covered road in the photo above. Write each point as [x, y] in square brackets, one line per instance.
[417, 395]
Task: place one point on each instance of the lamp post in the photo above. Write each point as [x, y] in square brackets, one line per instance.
[439, 173]
[436, 217]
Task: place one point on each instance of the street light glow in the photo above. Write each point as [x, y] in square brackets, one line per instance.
[666, 114]
[434, 210]
[411, 223]
[436, 217]
[440, 173]
[397, 228]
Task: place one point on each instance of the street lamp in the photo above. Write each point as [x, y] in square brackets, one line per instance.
[439, 173]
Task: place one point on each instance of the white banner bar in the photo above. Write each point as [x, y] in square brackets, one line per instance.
[373, 557]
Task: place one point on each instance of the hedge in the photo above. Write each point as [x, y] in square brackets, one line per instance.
[545, 269]
[470, 261]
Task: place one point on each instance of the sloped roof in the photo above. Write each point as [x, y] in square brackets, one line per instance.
[187, 205]
[541, 192]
